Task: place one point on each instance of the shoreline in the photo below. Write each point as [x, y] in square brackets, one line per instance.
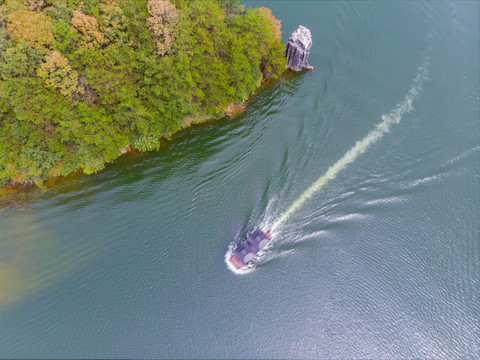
[229, 112]
[91, 94]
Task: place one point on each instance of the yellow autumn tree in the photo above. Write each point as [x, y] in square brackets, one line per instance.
[57, 73]
[35, 28]
[114, 20]
[88, 28]
[3, 16]
[163, 24]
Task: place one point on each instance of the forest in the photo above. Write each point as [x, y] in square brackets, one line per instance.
[84, 81]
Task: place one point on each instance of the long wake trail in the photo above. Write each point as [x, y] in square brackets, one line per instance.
[361, 146]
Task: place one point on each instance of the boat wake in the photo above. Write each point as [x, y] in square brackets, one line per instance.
[349, 157]
[361, 146]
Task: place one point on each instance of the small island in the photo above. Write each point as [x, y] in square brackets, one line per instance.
[82, 82]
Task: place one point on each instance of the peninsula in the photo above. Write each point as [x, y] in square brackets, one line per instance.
[83, 81]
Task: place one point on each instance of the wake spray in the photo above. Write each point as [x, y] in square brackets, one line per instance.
[361, 146]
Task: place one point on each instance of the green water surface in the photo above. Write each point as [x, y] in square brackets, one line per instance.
[380, 261]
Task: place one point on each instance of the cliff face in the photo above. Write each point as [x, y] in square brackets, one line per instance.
[298, 49]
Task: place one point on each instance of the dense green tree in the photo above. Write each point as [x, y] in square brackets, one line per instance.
[81, 81]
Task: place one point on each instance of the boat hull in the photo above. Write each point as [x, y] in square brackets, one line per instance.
[246, 251]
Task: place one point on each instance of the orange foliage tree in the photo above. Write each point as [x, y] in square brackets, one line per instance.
[275, 23]
[163, 23]
[88, 27]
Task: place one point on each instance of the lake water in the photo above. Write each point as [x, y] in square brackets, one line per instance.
[380, 261]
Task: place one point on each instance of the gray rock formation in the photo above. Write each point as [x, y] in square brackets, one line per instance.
[298, 48]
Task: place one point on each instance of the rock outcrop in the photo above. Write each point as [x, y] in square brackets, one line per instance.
[298, 48]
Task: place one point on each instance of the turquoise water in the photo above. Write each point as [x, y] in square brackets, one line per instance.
[380, 259]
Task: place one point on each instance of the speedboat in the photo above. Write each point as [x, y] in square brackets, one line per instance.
[246, 251]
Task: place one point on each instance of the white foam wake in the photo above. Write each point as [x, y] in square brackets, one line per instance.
[350, 156]
[361, 146]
